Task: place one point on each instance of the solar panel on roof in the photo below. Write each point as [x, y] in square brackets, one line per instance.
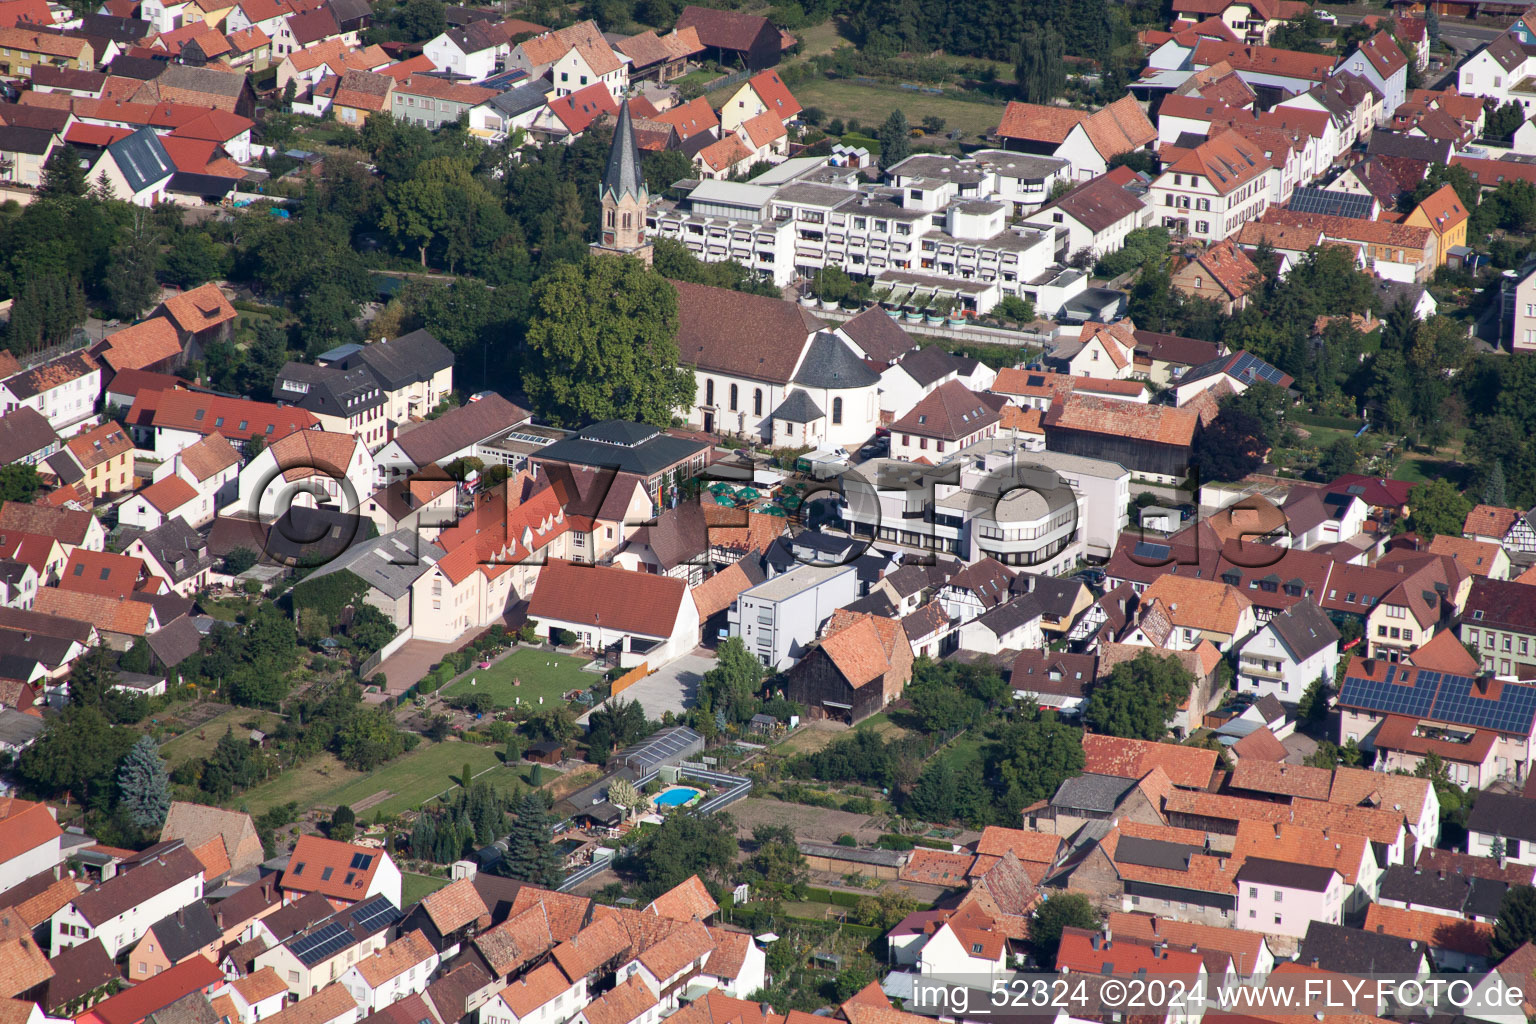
[1310, 199]
[320, 943]
[376, 913]
[1145, 549]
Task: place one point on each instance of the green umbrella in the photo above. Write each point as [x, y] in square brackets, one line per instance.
[792, 502]
[720, 489]
[774, 510]
[748, 494]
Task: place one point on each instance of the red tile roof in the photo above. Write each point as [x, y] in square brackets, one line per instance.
[631, 602]
[1189, 767]
[102, 573]
[199, 308]
[770, 88]
[169, 494]
[578, 110]
[1034, 122]
[327, 867]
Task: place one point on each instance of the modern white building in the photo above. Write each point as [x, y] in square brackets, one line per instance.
[778, 618]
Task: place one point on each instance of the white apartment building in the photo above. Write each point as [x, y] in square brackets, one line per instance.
[778, 618]
[938, 230]
[1214, 189]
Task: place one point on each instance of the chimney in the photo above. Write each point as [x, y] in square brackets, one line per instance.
[181, 916]
[1154, 926]
[1315, 964]
[218, 919]
[1381, 929]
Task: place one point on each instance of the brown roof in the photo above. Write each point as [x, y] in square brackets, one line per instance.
[592, 947]
[724, 153]
[685, 945]
[262, 984]
[199, 308]
[1353, 229]
[364, 90]
[720, 591]
[1229, 267]
[1490, 521]
[1119, 128]
[1228, 162]
[1035, 122]
[100, 444]
[690, 118]
[1262, 745]
[950, 411]
[938, 867]
[1098, 204]
[22, 965]
[688, 900]
[622, 1004]
[326, 867]
[395, 959]
[169, 494]
[1263, 59]
[212, 455]
[534, 989]
[1475, 556]
[144, 344]
[454, 906]
[634, 602]
[1283, 780]
[727, 30]
[328, 1004]
[1029, 847]
[857, 652]
[1244, 947]
[1189, 767]
[1199, 604]
[113, 614]
[67, 526]
[155, 873]
[52, 374]
[1160, 424]
[1444, 209]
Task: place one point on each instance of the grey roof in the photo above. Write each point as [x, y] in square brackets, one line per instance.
[1357, 951]
[205, 80]
[17, 729]
[328, 390]
[388, 564]
[882, 858]
[23, 432]
[33, 141]
[179, 549]
[665, 746]
[398, 362]
[1284, 873]
[458, 429]
[142, 159]
[798, 407]
[311, 537]
[1155, 853]
[1007, 617]
[927, 365]
[1503, 814]
[878, 335]
[515, 102]
[192, 1008]
[188, 930]
[622, 176]
[832, 365]
[1415, 147]
[192, 184]
[110, 26]
[1305, 629]
[1444, 890]
[1090, 792]
[174, 643]
[628, 448]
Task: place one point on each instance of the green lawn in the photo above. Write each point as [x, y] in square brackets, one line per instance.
[404, 784]
[543, 674]
[870, 104]
[964, 754]
[198, 742]
[414, 888]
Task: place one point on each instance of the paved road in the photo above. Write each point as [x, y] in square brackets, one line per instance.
[1465, 36]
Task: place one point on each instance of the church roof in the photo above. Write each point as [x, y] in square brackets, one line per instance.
[622, 176]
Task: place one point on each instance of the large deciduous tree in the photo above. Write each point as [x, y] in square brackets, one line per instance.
[602, 344]
[1138, 697]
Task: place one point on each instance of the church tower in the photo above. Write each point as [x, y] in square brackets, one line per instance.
[623, 195]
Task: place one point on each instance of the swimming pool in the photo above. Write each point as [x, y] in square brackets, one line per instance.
[677, 796]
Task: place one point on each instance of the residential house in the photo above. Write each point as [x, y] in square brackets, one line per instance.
[201, 315]
[148, 345]
[1288, 653]
[1499, 619]
[343, 873]
[211, 466]
[1086, 141]
[1506, 527]
[1222, 273]
[332, 1004]
[26, 438]
[542, 996]
[590, 63]
[104, 573]
[566, 118]
[29, 841]
[1452, 945]
[24, 152]
[194, 978]
[1378, 60]
[137, 168]
[147, 887]
[70, 528]
[1096, 216]
[1503, 829]
[1186, 767]
[414, 371]
[447, 918]
[343, 401]
[310, 468]
[102, 457]
[1250, 954]
[24, 48]
[634, 616]
[176, 553]
[951, 417]
[361, 94]
[428, 101]
[1347, 950]
[1153, 442]
[455, 434]
[1277, 897]
[197, 824]
[660, 58]
[189, 932]
[166, 499]
[64, 389]
[1476, 557]
[1399, 252]
[1443, 213]
[1212, 190]
[399, 970]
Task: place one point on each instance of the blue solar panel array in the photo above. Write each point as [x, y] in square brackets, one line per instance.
[375, 914]
[1248, 366]
[1444, 698]
[1309, 199]
[321, 944]
[1151, 552]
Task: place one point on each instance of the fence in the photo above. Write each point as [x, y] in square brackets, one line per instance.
[377, 658]
[628, 679]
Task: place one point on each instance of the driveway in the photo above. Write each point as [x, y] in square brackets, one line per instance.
[671, 688]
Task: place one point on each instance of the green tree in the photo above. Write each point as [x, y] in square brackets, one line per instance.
[530, 856]
[1138, 697]
[1038, 68]
[1062, 910]
[732, 685]
[230, 768]
[136, 658]
[1034, 754]
[895, 136]
[1341, 457]
[1313, 705]
[370, 629]
[1233, 446]
[663, 167]
[76, 756]
[1495, 487]
[602, 344]
[144, 785]
[1516, 923]
[19, 482]
[681, 846]
[130, 283]
[92, 677]
[63, 175]
[48, 307]
[369, 738]
[933, 799]
[194, 258]
[776, 868]
[238, 560]
[1437, 507]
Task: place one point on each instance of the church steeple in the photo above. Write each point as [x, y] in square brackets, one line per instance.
[623, 195]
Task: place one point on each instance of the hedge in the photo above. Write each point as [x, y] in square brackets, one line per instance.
[1308, 419]
[835, 897]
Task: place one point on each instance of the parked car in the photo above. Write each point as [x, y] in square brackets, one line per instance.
[1326, 18]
